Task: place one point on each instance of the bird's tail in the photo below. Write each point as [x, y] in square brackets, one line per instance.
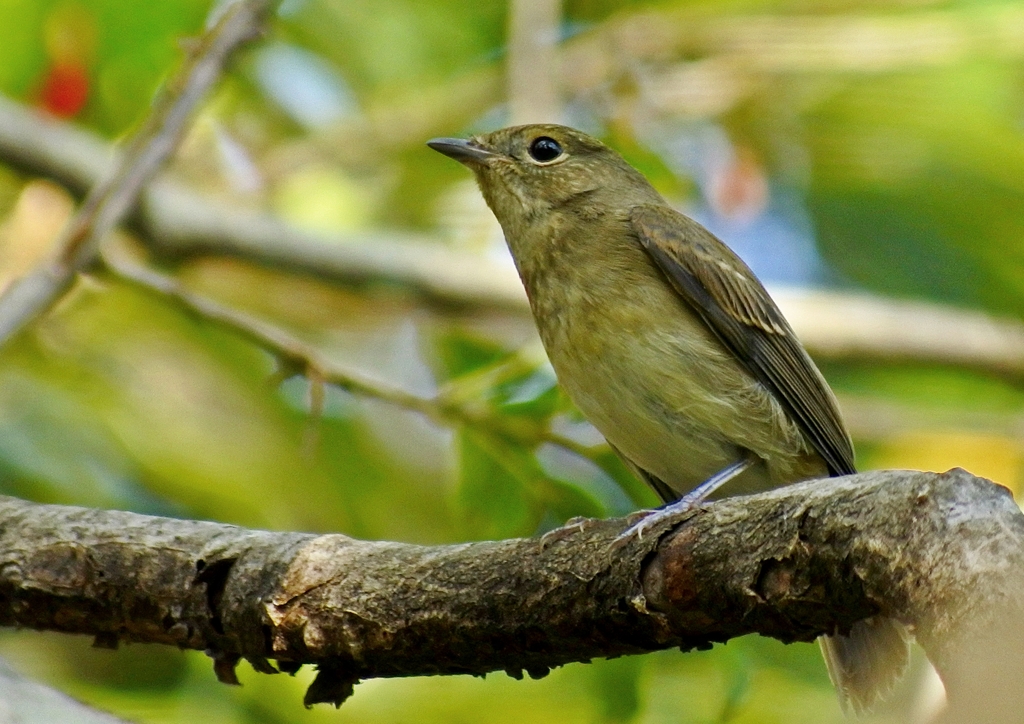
[866, 664]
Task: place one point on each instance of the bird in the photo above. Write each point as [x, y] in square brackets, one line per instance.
[669, 345]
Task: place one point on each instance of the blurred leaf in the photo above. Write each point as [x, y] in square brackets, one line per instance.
[126, 52]
[649, 163]
[423, 40]
[996, 457]
[22, 56]
[459, 352]
[535, 395]
[52, 450]
[325, 200]
[504, 492]
[637, 490]
[493, 494]
[737, 689]
[135, 51]
[616, 686]
[567, 500]
[912, 192]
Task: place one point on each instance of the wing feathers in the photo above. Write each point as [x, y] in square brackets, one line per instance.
[734, 304]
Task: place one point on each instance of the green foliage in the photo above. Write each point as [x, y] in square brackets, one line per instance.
[134, 52]
[910, 188]
[424, 42]
[459, 353]
[123, 54]
[21, 53]
[503, 489]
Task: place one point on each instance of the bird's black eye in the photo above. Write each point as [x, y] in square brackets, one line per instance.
[545, 149]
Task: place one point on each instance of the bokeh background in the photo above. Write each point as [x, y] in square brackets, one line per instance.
[852, 145]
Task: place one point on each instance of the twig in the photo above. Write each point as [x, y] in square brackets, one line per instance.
[109, 201]
[450, 406]
[460, 402]
[534, 27]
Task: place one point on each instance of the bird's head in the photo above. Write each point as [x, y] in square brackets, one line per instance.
[526, 172]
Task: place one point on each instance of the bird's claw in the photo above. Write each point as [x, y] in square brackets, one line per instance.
[571, 526]
[654, 518]
[686, 503]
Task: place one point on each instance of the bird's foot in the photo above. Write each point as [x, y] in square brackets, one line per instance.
[654, 518]
[650, 519]
[569, 528]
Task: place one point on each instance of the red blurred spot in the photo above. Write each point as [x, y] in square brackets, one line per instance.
[739, 188]
[65, 90]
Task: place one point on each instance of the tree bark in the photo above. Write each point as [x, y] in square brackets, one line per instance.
[941, 553]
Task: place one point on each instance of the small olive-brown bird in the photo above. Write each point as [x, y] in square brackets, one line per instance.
[668, 343]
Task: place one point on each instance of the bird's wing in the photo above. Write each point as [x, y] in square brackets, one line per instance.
[733, 303]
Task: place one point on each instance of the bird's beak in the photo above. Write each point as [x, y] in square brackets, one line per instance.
[462, 150]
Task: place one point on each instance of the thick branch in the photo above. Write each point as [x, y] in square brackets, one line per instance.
[942, 553]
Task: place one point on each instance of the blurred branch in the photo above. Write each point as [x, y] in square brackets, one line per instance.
[463, 401]
[534, 27]
[836, 42]
[178, 222]
[943, 554]
[838, 325]
[736, 56]
[875, 418]
[28, 702]
[110, 200]
[452, 406]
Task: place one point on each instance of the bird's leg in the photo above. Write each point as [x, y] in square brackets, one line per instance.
[691, 500]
